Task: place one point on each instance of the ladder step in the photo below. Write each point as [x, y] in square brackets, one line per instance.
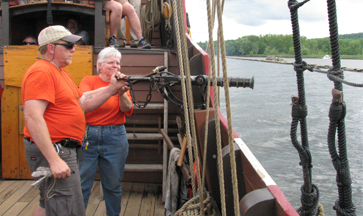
[143, 168]
[144, 136]
[158, 106]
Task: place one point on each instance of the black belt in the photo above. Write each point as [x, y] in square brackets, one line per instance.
[68, 142]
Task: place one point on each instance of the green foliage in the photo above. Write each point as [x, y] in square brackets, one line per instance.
[350, 44]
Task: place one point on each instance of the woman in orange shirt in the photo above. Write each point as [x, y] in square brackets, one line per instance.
[105, 142]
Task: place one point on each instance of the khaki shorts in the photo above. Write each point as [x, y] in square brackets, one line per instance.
[58, 196]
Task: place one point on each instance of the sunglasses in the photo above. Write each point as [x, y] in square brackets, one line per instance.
[68, 45]
[30, 43]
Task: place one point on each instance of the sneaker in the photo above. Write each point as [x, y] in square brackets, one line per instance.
[134, 44]
[143, 44]
[122, 42]
[113, 41]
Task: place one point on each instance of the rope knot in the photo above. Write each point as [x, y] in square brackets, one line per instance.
[309, 200]
[349, 211]
[334, 73]
[301, 67]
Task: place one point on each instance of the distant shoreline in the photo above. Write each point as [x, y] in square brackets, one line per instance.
[280, 60]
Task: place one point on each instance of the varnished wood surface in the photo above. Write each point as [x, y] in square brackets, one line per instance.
[18, 197]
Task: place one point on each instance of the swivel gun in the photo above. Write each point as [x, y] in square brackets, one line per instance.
[164, 80]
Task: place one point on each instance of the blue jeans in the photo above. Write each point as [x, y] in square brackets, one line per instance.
[108, 148]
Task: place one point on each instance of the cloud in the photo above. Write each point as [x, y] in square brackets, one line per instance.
[255, 13]
[260, 17]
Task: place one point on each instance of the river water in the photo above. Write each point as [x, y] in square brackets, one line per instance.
[262, 118]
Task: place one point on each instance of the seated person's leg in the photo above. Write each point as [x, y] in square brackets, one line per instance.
[129, 11]
[121, 33]
[134, 42]
[115, 20]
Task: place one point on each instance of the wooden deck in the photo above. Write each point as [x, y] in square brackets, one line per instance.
[18, 197]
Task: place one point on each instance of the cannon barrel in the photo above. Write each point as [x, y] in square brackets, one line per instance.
[196, 80]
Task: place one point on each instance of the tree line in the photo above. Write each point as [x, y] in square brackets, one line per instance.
[350, 44]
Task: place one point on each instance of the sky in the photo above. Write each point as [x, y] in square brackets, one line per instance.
[261, 17]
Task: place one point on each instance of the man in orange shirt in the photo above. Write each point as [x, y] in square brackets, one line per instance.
[55, 124]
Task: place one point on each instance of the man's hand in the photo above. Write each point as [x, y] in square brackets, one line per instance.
[60, 169]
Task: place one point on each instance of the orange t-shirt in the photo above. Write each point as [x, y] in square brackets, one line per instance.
[64, 116]
[108, 113]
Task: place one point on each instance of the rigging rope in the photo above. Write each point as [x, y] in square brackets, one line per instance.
[309, 191]
[189, 116]
[189, 89]
[178, 23]
[216, 111]
[228, 110]
[344, 205]
[332, 74]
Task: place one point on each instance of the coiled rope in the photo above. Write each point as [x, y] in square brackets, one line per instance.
[150, 16]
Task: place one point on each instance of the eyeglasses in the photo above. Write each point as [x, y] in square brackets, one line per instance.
[113, 62]
[68, 45]
[30, 43]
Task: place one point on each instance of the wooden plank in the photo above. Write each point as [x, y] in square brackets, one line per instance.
[148, 200]
[101, 210]
[24, 171]
[143, 136]
[9, 132]
[19, 198]
[94, 199]
[151, 60]
[5, 184]
[126, 191]
[152, 106]
[82, 63]
[143, 167]
[19, 58]
[95, 194]
[15, 209]
[21, 117]
[159, 205]
[27, 211]
[133, 206]
[29, 196]
[15, 196]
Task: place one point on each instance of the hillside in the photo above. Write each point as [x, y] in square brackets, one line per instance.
[350, 45]
[354, 36]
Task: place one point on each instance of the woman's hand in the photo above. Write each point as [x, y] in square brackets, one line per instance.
[118, 80]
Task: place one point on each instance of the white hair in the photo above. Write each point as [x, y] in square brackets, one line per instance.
[105, 53]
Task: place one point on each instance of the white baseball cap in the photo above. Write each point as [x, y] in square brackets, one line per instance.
[54, 33]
